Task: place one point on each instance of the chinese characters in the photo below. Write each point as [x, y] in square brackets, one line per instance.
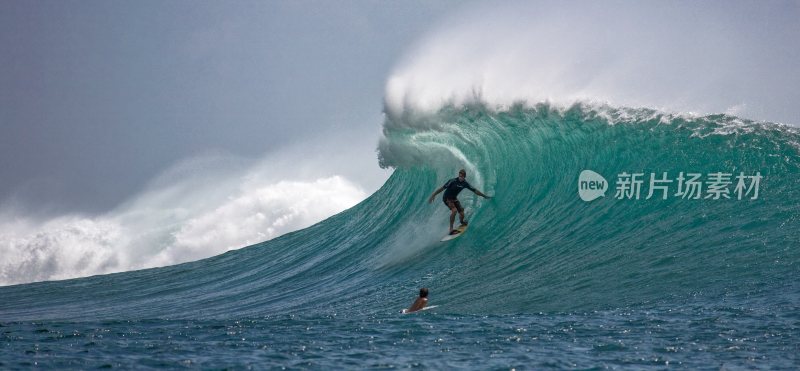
[692, 186]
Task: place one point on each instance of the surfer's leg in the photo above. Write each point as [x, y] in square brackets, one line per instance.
[460, 212]
[452, 218]
[453, 210]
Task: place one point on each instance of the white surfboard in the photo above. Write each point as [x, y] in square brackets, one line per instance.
[460, 230]
[421, 310]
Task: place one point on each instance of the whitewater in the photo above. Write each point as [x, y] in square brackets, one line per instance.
[542, 279]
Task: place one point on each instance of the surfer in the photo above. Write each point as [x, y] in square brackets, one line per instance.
[451, 190]
[421, 301]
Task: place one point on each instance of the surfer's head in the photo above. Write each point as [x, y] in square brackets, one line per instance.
[423, 292]
[462, 174]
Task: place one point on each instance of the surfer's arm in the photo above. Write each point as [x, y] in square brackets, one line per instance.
[476, 191]
[479, 193]
[436, 192]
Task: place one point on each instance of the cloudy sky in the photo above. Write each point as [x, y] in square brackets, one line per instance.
[100, 97]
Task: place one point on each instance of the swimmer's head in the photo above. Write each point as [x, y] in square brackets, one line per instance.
[423, 292]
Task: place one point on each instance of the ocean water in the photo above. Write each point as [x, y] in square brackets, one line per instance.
[542, 279]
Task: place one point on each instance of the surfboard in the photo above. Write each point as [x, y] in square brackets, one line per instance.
[460, 230]
[423, 309]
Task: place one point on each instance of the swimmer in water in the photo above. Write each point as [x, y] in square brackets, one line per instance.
[421, 301]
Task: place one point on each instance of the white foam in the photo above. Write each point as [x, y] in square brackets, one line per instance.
[190, 213]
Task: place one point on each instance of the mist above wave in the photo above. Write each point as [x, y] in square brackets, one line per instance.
[737, 58]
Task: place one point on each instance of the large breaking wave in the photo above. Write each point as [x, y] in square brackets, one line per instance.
[535, 247]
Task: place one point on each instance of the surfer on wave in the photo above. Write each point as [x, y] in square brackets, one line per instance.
[451, 190]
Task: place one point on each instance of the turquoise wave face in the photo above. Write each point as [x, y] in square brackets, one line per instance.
[547, 249]
[537, 246]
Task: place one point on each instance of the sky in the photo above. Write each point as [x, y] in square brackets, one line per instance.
[100, 97]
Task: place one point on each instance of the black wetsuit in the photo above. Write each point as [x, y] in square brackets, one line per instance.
[453, 187]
